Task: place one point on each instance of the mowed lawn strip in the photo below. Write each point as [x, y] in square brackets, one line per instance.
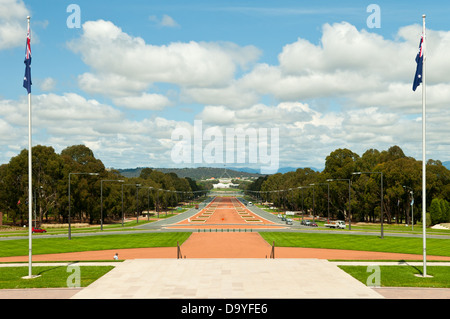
[405, 245]
[40, 246]
[402, 276]
[50, 276]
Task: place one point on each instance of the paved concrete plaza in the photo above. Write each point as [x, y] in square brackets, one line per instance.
[226, 278]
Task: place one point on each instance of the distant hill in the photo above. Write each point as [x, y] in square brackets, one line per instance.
[283, 170]
[129, 172]
[446, 164]
[197, 173]
[200, 173]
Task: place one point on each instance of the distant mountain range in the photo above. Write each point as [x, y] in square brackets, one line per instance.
[446, 164]
[200, 173]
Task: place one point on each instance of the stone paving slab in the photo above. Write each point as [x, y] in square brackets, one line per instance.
[226, 278]
[39, 293]
[414, 293]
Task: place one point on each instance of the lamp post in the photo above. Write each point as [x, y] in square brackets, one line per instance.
[412, 204]
[314, 205]
[137, 203]
[92, 174]
[381, 199]
[122, 206]
[157, 195]
[35, 204]
[302, 187]
[101, 198]
[349, 201]
[148, 202]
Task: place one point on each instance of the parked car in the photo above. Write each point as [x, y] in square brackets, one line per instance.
[38, 230]
[306, 222]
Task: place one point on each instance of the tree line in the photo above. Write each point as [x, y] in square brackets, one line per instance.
[91, 196]
[337, 192]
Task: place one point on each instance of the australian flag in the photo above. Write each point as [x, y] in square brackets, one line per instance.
[419, 61]
[27, 78]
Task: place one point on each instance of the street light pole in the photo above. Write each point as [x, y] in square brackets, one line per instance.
[122, 207]
[157, 195]
[314, 205]
[302, 187]
[381, 199]
[412, 204]
[137, 203]
[148, 203]
[70, 231]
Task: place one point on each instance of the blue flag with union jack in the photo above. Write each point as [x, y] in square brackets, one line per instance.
[419, 61]
[27, 78]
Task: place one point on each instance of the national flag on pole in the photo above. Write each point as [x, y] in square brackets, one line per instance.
[27, 78]
[419, 61]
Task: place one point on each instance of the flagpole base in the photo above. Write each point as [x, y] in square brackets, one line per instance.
[422, 276]
[31, 277]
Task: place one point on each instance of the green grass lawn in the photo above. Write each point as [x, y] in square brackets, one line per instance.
[50, 276]
[102, 242]
[128, 225]
[406, 245]
[402, 276]
[390, 276]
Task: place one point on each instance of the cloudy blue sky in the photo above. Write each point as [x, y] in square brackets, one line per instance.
[135, 72]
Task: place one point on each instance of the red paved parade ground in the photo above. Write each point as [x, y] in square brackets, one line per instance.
[225, 213]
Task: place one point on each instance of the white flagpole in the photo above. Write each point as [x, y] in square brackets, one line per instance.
[424, 180]
[30, 180]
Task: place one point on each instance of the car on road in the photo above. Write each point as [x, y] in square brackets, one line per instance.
[306, 222]
[309, 223]
[38, 230]
[336, 224]
[289, 221]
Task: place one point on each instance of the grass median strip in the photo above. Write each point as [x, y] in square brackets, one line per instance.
[19, 247]
[404, 245]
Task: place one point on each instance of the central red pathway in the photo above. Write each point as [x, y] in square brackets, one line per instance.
[226, 213]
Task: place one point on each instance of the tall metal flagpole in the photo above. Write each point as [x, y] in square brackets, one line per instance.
[30, 178]
[424, 180]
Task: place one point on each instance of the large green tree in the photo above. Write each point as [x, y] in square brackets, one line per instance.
[402, 186]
